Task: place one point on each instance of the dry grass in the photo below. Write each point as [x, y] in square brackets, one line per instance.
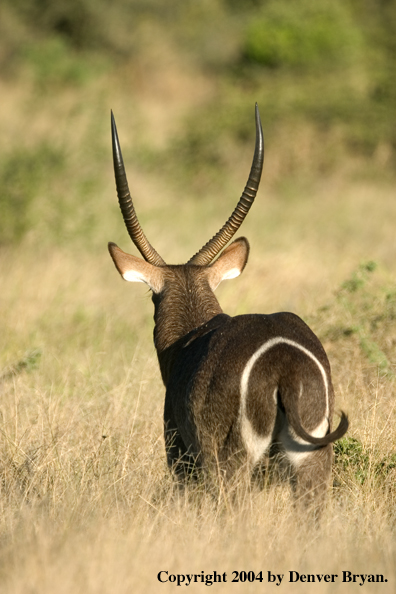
[86, 513]
[87, 504]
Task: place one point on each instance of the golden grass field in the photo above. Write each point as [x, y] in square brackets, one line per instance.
[87, 503]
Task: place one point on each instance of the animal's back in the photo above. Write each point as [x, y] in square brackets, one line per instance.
[233, 374]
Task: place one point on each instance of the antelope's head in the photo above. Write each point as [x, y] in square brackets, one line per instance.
[188, 288]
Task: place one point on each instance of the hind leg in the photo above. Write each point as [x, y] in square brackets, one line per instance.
[311, 474]
[182, 463]
[310, 466]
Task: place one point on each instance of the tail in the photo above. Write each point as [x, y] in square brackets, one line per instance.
[321, 441]
[291, 410]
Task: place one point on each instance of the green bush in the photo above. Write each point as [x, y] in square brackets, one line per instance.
[303, 34]
[362, 463]
[364, 314]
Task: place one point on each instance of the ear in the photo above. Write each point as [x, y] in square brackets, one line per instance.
[230, 263]
[135, 269]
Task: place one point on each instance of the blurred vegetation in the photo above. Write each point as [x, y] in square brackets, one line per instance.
[357, 463]
[29, 362]
[312, 36]
[24, 176]
[363, 312]
[326, 67]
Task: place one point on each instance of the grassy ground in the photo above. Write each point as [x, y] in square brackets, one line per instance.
[87, 504]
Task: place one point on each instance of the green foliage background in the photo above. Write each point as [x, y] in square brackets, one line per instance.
[328, 66]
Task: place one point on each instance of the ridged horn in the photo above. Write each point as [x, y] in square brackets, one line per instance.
[128, 211]
[210, 250]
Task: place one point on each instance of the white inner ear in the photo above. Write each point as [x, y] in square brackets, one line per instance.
[230, 263]
[153, 280]
[215, 280]
[233, 273]
[133, 276]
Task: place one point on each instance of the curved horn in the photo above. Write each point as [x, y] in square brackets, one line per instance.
[209, 251]
[124, 198]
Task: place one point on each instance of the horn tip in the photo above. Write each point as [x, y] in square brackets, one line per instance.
[257, 114]
[259, 133]
[114, 139]
[113, 124]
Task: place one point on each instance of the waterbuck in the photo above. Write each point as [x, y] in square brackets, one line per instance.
[234, 385]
